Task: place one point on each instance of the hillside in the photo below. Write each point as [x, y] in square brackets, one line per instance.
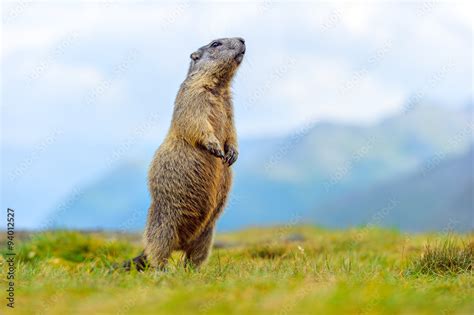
[440, 196]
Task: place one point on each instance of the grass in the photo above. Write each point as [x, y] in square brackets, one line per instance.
[301, 270]
[445, 257]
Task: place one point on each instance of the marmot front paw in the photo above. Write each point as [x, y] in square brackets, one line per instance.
[215, 149]
[231, 154]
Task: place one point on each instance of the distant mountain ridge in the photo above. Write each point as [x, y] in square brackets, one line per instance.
[418, 199]
[307, 175]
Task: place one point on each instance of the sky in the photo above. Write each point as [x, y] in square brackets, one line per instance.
[88, 84]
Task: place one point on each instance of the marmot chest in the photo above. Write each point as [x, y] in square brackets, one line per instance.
[220, 121]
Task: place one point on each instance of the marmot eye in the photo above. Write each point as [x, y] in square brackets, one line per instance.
[216, 44]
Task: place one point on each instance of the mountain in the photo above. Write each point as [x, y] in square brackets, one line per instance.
[300, 177]
[439, 196]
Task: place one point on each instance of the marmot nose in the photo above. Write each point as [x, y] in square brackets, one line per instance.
[242, 42]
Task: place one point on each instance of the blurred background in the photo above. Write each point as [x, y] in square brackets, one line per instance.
[348, 114]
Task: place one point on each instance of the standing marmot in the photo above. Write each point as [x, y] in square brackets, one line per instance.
[190, 176]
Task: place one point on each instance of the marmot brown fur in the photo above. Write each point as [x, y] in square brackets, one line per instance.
[190, 175]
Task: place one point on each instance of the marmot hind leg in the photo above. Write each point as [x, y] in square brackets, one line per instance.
[200, 248]
[160, 241]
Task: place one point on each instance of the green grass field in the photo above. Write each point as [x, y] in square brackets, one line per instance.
[301, 270]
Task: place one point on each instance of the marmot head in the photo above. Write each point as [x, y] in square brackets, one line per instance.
[219, 58]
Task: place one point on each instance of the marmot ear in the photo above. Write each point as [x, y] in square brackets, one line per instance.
[195, 55]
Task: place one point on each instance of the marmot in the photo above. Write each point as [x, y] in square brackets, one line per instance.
[190, 176]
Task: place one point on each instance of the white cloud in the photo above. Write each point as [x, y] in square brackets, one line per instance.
[27, 38]
[461, 12]
[357, 18]
[66, 77]
[315, 90]
[50, 99]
